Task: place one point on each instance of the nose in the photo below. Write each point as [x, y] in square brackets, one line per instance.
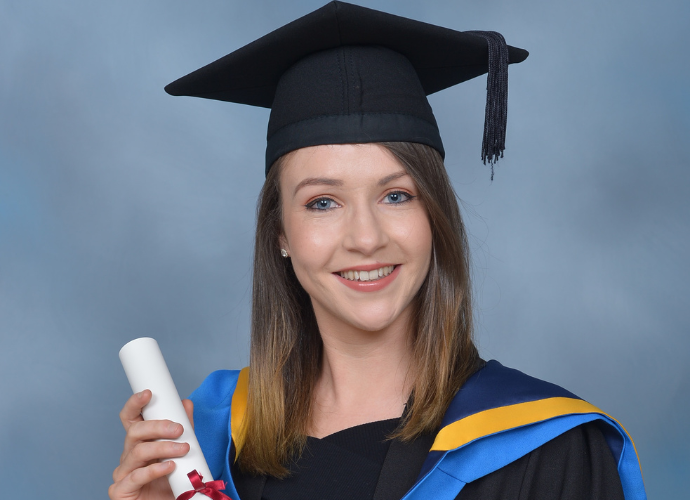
[365, 232]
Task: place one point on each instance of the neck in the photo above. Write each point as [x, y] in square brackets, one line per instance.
[365, 376]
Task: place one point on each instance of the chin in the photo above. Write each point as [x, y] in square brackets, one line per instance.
[374, 322]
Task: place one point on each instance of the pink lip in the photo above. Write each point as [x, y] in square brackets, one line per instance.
[370, 286]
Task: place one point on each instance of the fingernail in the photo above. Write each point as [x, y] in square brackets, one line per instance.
[173, 427]
[179, 446]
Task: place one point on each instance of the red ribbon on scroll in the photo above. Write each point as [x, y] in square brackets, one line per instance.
[210, 489]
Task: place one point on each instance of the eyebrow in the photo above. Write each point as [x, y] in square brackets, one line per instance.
[318, 181]
[327, 181]
[392, 177]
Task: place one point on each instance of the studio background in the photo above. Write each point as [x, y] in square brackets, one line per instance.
[125, 212]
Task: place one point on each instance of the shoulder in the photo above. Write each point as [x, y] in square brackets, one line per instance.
[495, 386]
[497, 399]
[216, 390]
[212, 405]
[576, 464]
[503, 420]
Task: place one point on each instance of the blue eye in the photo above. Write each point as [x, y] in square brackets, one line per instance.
[397, 197]
[321, 204]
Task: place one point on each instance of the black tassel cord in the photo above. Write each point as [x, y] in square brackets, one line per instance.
[496, 114]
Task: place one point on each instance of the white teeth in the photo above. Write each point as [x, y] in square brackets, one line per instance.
[367, 275]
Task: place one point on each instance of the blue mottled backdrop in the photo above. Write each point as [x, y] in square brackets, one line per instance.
[125, 212]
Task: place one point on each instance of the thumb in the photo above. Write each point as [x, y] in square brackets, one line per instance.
[189, 408]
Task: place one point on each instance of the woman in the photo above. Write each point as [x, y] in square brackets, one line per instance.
[364, 380]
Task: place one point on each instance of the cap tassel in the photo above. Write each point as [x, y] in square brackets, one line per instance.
[496, 115]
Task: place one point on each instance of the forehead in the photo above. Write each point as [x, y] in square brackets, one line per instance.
[340, 163]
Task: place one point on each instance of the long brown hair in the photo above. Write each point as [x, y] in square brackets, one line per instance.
[286, 346]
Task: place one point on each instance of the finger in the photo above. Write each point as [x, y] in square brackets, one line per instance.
[130, 485]
[150, 430]
[131, 411]
[145, 453]
[189, 408]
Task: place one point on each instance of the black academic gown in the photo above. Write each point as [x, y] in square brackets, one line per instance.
[505, 435]
[574, 466]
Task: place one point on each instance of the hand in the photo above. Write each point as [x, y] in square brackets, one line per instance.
[141, 475]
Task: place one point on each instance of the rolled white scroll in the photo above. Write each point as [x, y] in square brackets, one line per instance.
[146, 369]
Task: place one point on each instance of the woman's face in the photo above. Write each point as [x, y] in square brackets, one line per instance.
[357, 233]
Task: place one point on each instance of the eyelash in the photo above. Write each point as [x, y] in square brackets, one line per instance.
[312, 204]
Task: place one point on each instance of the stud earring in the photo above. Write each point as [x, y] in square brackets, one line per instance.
[283, 252]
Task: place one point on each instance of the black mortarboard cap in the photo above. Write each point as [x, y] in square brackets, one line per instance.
[348, 74]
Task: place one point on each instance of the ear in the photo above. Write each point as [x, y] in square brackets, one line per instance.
[283, 243]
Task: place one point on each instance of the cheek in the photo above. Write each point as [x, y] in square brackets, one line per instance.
[311, 247]
[414, 236]
[423, 250]
[310, 243]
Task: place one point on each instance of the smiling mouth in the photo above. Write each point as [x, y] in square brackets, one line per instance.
[373, 275]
